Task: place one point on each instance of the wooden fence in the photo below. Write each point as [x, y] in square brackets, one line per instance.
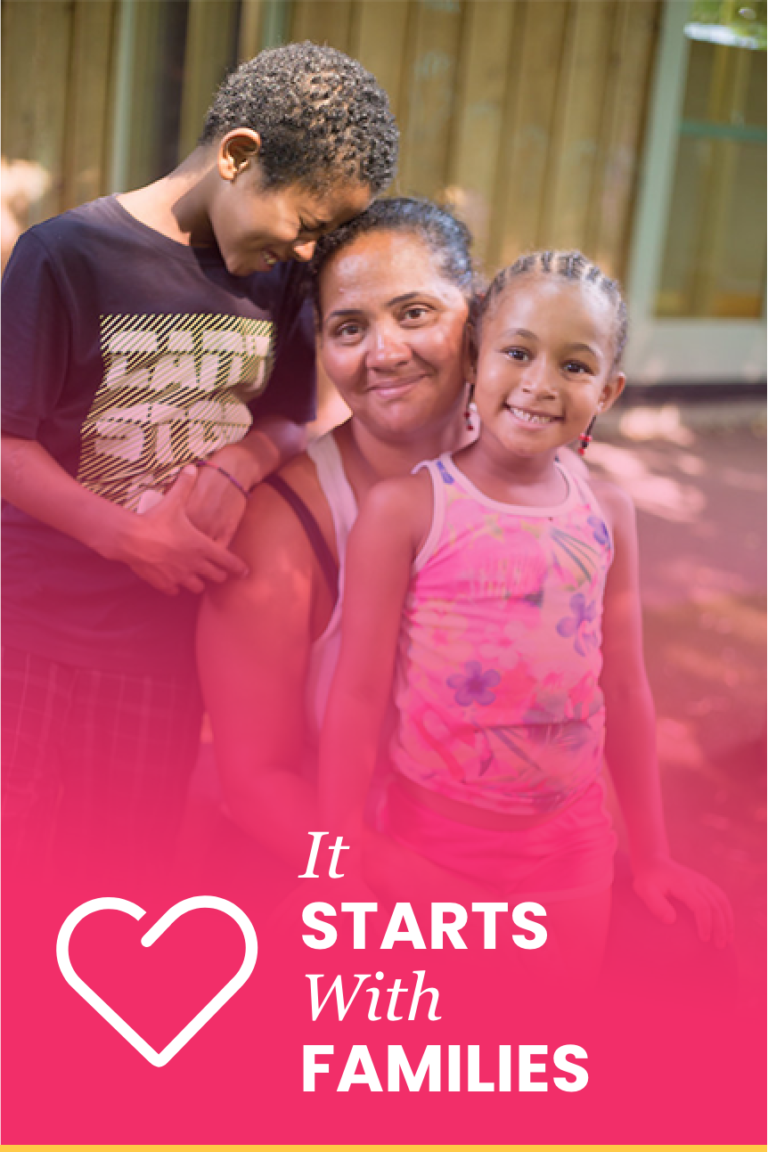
[527, 115]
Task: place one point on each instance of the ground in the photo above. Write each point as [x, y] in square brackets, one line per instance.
[700, 496]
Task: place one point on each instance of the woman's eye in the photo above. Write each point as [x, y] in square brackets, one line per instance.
[348, 330]
[415, 313]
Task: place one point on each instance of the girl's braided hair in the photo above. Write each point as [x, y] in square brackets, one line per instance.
[572, 266]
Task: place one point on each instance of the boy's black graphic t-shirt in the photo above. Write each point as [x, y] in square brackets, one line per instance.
[127, 355]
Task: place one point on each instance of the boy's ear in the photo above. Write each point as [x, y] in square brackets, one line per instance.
[237, 152]
[611, 391]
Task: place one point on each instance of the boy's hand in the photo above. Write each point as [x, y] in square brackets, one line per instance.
[216, 505]
[660, 879]
[165, 548]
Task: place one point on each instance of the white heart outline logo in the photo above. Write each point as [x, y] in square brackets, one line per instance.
[159, 1059]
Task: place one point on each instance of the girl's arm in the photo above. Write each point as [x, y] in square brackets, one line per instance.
[390, 528]
[631, 742]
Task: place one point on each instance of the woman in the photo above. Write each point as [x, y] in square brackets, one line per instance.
[393, 295]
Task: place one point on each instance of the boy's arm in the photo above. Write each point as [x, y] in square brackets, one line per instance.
[216, 505]
[161, 546]
[631, 743]
[278, 431]
[382, 545]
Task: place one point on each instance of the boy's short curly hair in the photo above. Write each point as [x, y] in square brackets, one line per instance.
[320, 115]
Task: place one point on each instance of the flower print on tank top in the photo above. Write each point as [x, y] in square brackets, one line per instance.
[499, 661]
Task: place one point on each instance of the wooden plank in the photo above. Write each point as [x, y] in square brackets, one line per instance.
[326, 22]
[430, 78]
[626, 103]
[89, 105]
[536, 45]
[484, 80]
[249, 35]
[141, 167]
[581, 93]
[209, 55]
[378, 42]
[36, 44]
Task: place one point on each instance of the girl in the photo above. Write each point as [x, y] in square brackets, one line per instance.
[503, 592]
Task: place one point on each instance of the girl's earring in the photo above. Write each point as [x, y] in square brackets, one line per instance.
[469, 414]
[585, 438]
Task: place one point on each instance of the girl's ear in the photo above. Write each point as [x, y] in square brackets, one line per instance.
[237, 151]
[612, 389]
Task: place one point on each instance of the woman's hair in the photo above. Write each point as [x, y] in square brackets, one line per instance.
[448, 239]
[571, 266]
[321, 117]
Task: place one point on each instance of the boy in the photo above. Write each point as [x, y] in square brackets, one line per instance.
[139, 411]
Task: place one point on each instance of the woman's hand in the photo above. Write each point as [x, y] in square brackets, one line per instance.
[656, 881]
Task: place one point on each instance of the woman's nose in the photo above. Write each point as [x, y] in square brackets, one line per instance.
[387, 348]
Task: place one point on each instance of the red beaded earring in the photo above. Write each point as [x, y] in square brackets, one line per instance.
[585, 438]
[470, 410]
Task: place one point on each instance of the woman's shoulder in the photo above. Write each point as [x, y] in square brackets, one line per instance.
[270, 522]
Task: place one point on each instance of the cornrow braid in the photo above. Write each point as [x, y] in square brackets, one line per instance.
[572, 266]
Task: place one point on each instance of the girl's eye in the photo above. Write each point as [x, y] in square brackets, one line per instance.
[520, 354]
[577, 367]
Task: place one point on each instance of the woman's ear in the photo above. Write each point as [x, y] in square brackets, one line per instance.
[612, 389]
[238, 151]
[469, 352]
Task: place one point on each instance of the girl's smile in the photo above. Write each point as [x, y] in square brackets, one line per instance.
[545, 364]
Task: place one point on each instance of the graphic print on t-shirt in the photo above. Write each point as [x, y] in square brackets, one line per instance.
[175, 389]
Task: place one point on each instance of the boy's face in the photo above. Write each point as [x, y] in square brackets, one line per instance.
[256, 227]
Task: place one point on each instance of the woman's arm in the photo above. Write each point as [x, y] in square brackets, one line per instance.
[631, 742]
[254, 640]
[392, 523]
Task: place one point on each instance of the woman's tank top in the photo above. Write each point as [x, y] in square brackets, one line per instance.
[497, 686]
[325, 455]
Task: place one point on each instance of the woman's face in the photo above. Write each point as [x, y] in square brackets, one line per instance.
[392, 333]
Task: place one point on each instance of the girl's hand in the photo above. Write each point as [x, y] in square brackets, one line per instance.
[660, 879]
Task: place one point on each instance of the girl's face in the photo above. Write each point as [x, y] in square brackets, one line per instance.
[545, 363]
[393, 333]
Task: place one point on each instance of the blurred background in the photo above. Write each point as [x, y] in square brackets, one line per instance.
[634, 130]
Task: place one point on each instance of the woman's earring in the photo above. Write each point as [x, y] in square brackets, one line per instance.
[585, 438]
[469, 414]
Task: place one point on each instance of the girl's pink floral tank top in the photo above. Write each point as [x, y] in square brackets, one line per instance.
[497, 683]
